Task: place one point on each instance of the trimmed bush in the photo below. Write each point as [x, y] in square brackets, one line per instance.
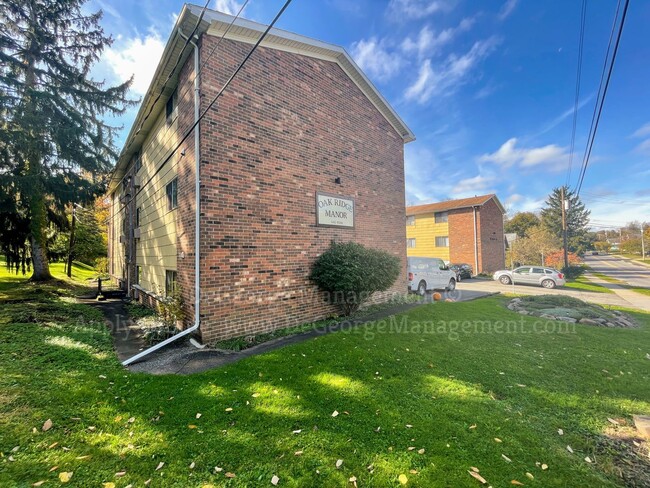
[350, 273]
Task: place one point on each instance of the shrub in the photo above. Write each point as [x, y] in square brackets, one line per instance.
[556, 259]
[351, 273]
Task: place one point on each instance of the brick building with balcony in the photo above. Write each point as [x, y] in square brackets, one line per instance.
[469, 230]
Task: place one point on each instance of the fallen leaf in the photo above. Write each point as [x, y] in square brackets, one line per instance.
[506, 458]
[192, 465]
[191, 426]
[275, 480]
[217, 469]
[297, 431]
[198, 415]
[413, 471]
[530, 475]
[229, 409]
[119, 474]
[568, 448]
[410, 448]
[615, 422]
[339, 462]
[65, 476]
[53, 468]
[560, 431]
[515, 482]
[38, 483]
[544, 467]
[47, 425]
[377, 429]
[108, 484]
[160, 465]
[353, 480]
[475, 469]
[409, 426]
[477, 476]
[230, 475]
[118, 418]
[402, 479]
[473, 426]
[146, 483]
[255, 395]
[496, 439]
[102, 376]
[420, 451]
[53, 445]
[131, 420]
[79, 458]
[335, 413]
[297, 453]
[588, 459]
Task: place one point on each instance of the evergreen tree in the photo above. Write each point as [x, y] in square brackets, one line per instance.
[577, 218]
[54, 144]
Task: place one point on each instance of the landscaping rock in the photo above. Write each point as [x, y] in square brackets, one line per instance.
[568, 319]
[590, 322]
[547, 316]
[523, 312]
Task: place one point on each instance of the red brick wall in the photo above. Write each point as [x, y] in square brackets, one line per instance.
[489, 222]
[461, 237]
[285, 129]
[492, 255]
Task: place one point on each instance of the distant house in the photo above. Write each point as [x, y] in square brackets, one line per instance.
[301, 150]
[469, 230]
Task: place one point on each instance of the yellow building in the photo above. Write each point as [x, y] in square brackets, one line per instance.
[427, 235]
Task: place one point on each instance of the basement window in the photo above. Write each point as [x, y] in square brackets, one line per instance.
[442, 241]
[172, 194]
[410, 243]
[441, 217]
[170, 282]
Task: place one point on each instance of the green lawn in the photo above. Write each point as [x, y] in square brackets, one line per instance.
[583, 284]
[428, 406]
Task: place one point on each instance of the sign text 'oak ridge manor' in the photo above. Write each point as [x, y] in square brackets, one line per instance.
[334, 210]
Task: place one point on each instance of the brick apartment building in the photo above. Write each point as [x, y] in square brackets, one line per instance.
[300, 134]
[469, 230]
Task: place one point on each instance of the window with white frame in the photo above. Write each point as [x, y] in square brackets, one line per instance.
[410, 243]
[442, 241]
[172, 194]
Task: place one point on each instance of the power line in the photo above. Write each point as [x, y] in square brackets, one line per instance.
[190, 84]
[583, 16]
[212, 102]
[596, 120]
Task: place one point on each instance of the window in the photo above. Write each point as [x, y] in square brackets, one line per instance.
[538, 271]
[138, 162]
[410, 220]
[171, 109]
[170, 282]
[442, 241]
[138, 274]
[137, 217]
[172, 194]
[441, 217]
[410, 243]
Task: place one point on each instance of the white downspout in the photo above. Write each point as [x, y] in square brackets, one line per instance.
[475, 244]
[197, 217]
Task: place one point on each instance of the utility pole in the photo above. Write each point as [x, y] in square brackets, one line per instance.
[642, 243]
[565, 207]
[71, 246]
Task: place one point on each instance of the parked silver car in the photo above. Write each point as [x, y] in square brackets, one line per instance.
[531, 275]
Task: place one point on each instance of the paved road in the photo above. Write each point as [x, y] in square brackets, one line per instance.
[633, 273]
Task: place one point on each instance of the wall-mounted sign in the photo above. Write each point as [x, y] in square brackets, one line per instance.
[334, 210]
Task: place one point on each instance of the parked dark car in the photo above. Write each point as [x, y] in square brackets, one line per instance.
[462, 270]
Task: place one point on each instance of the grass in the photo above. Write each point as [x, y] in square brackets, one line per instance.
[245, 342]
[583, 284]
[447, 392]
[607, 278]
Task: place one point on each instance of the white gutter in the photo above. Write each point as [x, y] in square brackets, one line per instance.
[475, 244]
[197, 223]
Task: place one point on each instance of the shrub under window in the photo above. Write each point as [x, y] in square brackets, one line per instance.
[351, 273]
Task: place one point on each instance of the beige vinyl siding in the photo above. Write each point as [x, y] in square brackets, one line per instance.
[156, 249]
[117, 266]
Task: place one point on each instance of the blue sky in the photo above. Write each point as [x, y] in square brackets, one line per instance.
[487, 87]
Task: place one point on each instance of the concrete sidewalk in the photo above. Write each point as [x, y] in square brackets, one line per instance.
[636, 300]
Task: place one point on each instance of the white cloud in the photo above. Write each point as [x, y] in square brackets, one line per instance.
[644, 147]
[551, 157]
[474, 186]
[428, 42]
[507, 9]
[137, 57]
[450, 75]
[374, 58]
[414, 9]
[230, 7]
[643, 131]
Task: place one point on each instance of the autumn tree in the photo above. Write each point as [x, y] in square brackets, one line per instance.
[521, 222]
[577, 218]
[54, 143]
[538, 243]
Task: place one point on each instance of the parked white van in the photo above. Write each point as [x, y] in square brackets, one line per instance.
[429, 274]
